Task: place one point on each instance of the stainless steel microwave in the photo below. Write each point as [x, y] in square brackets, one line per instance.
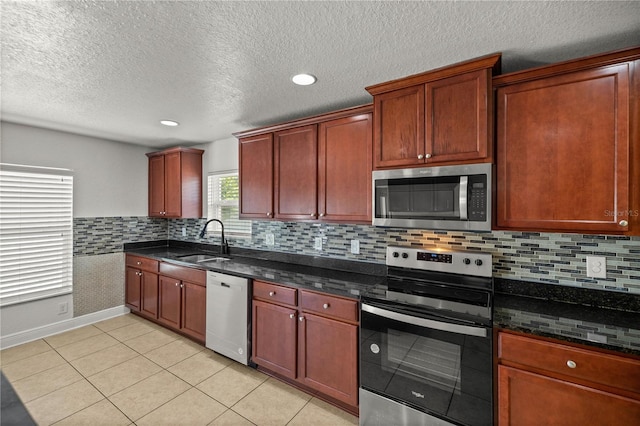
[440, 197]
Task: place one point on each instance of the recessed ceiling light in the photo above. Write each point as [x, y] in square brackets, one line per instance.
[303, 79]
[169, 123]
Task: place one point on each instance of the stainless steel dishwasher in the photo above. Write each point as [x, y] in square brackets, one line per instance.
[228, 316]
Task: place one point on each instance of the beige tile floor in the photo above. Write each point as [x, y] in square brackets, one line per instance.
[126, 371]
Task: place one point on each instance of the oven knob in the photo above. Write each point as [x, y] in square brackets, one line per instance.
[396, 254]
[466, 261]
[479, 262]
[374, 348]
[405, 255]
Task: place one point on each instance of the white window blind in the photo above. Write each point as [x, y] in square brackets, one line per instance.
[224, 197]
[36, 233]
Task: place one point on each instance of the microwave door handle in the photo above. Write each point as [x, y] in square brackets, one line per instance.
[464, 183]
[424, 322]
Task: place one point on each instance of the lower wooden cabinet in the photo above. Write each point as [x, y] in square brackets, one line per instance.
[545, 382]
[174, 296]
[308, 337]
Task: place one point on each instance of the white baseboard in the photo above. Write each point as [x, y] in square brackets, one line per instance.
[59, 327]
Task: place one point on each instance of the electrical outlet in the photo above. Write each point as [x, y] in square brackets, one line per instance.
[269, 239]
[318, 244]
[596, 267]
[63, 308]
[355, 247]
[184, 231]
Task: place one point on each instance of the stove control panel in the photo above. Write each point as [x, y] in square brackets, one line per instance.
[454, 262]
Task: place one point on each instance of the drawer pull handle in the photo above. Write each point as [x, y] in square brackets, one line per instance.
[272, 293]
[325, 306]
[571, 364]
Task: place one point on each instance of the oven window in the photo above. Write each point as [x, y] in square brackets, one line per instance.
[439, 372]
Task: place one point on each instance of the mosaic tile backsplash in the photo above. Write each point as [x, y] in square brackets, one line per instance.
[537, 257]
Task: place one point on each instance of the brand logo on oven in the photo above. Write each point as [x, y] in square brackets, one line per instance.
[417, 394]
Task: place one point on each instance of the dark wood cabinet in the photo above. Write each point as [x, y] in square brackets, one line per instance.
[566, 145]
[317, 168]
[309, 338]
[169, 306]
[141, 285]
[256, 176]
[441, 116]
[175, 183]
[546, 382]
[194, 310]
[296, 173]
[344, 169]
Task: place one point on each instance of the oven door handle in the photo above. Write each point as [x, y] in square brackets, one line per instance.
[423, 322]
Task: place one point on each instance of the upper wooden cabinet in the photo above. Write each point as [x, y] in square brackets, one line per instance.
[175, 183]
[317, 168]
[442, 116]
[567, 146]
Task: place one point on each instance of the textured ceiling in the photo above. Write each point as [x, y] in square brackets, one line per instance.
[114, 68]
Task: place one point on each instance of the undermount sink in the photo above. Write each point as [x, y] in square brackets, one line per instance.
[200, 258]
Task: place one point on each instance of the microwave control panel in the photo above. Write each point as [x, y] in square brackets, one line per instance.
[477, 202]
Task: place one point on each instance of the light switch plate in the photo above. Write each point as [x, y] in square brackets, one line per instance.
[355, 246]
[596, 267]
[270, 239]
[317, 244]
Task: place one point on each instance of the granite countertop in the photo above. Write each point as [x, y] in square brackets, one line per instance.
[342, 278]
[602, 319]
[597, 318]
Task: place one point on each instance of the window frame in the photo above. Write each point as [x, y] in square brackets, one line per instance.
[230, 228]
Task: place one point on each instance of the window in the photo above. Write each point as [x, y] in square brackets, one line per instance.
[224, 198]
[36, 233]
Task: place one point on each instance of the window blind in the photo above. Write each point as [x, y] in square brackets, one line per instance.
[36, 233]
[224, 197]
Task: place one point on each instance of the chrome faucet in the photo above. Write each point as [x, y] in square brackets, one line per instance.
[224, 246]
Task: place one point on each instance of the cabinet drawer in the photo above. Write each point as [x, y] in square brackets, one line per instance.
[196, 276]
[143, 263]
[596, 367]
[331, 306]
[274, 293]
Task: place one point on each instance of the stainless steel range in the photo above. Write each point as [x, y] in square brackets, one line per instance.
[426, 347]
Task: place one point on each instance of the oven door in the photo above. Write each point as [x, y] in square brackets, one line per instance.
[439, 366]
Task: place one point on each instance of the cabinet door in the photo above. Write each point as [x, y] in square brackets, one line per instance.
[328, 357]
[457, 118]
[296, 173]
[149, 300]
[398, 127]
[172, 185]
[526, 398]
[169, 301]
[156, 186]
[132, 289]
[274, 338]
[256, 177]
[194, 310]
[563, 152]
[344, 169]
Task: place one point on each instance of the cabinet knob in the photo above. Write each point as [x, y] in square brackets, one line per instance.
[268, 214]
[177, 284]
[325, 306]
[420, 156]
[140, 274]
[623, 223]
[427, 156]
[272, 293]
[312, 214]
[138, 263]
[292, 316]
[300, 318]
[571, 364]
[181, 285]
[321, 214]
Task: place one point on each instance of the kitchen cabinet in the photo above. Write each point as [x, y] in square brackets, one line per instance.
[175, 183]
[568, 147]
[543, 381]
[442, 116]
[182, 299]
[256, 176]
[141, 285]
[310, 338]
[296, 173]
[317, 168]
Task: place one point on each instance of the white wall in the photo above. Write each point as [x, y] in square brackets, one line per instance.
[219, 156]
[110, 178]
